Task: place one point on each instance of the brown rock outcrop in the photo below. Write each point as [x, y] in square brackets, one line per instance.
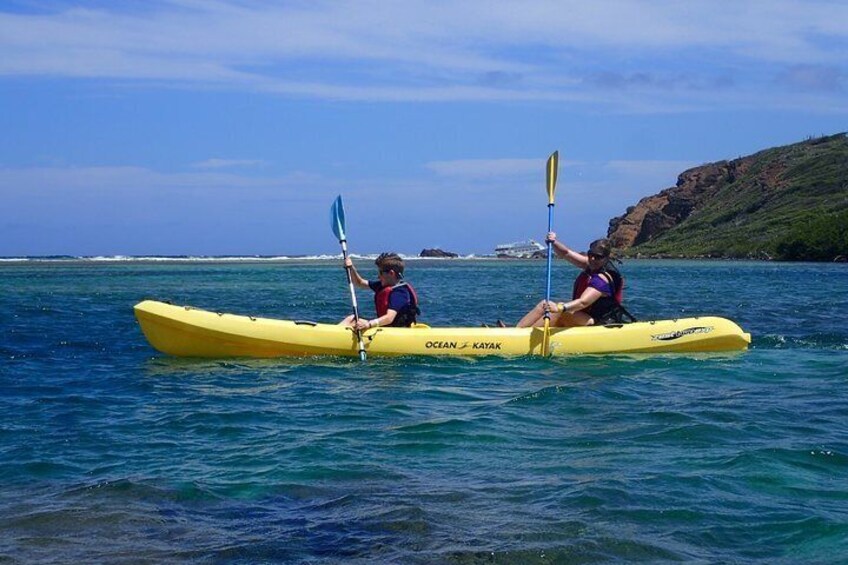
[436, 252]
[656, 214]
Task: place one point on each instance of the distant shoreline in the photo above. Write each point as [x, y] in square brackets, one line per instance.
[282, 259]
[214, 258]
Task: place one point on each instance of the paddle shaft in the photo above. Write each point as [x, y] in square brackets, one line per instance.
[547, 330]
[353, 300]
[550, 257]
[552, 169]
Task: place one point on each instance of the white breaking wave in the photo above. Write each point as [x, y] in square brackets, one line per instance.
[216, 258]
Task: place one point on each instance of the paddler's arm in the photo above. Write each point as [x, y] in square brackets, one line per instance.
[561, 250]
[384, 320]
[589, 297]
[354, 274]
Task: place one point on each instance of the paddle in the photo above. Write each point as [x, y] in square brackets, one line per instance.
[337, 220]
[552, 167]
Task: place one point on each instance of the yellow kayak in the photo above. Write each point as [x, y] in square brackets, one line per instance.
[190, 332]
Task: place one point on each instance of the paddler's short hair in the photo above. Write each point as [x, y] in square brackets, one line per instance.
[390, 262]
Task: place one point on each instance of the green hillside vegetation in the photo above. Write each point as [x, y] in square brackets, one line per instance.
[790, 203]
[821, 239]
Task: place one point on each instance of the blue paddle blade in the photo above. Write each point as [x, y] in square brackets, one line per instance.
[337, 218]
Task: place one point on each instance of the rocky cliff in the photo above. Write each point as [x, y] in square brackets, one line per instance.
[655, 215]
[739, 208]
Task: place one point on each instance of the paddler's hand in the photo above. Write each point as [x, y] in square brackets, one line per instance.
[348, 263]
[551, 237]
[361, 324]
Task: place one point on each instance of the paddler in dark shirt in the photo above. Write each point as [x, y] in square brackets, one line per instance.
[394, 299]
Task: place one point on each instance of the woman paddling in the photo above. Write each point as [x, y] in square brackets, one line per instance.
[597, 294]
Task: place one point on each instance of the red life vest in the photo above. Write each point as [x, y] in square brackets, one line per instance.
[381, 299]
[581, 283]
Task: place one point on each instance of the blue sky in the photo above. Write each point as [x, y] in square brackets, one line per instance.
[229, 126]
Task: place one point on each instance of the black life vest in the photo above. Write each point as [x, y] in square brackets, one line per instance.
[407, 315]
[606, 309]
[581, 283]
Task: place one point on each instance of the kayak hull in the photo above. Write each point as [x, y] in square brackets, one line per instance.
[184, 331]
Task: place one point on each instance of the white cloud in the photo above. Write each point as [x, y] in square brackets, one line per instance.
[487, 167]
[652, 169]
[226, 163]
[657, 173]
[676, 53]
[139, 180]
[814, 78]
[483, 168]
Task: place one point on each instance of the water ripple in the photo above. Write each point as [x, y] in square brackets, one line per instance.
[110, 452]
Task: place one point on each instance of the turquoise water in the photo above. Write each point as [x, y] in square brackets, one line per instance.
[110, 452]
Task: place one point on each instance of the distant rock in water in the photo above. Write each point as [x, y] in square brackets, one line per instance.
[785, 203]
[436, 252]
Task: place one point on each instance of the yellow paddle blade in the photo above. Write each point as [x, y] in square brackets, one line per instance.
[553, 167]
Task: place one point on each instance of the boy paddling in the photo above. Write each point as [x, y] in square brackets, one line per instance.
[394, 299]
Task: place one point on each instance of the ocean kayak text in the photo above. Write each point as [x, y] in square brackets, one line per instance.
[463, 345]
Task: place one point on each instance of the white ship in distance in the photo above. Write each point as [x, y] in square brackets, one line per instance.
[519, 249]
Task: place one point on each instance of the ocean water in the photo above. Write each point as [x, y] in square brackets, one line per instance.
[111, 452]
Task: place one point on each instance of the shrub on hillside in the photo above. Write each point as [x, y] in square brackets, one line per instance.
[821, 239]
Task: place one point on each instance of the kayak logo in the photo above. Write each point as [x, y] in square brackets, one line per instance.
[445, 345]
[493, 345]
[669, 336]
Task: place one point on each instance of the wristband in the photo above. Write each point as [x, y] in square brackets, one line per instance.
[561, 306]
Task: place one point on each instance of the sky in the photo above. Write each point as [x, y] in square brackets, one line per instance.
[228, 127]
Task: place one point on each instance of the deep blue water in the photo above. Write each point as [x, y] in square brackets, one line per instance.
[111, 452]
